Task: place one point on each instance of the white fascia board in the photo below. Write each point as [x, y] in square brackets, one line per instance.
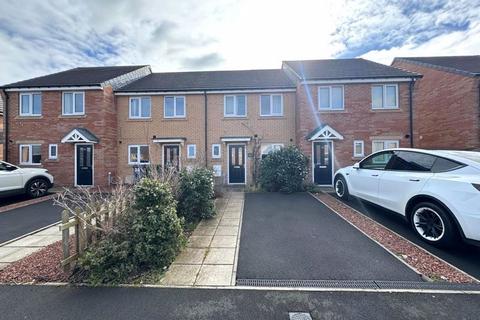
[252, 91]
[54, 89]
[157, 93]
[366, 80]
[168, 140]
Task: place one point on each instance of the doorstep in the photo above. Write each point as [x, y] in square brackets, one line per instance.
[211, 254]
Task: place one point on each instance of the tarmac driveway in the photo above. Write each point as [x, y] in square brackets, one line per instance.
[295, 237]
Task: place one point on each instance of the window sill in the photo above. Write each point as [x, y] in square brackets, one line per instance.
[31, 164]
[235, 118]
[138, 164]
[385, 110]
[358, 157]
[331, 110]
[139, 120]
[271, 117]
[174, 119]
[73, 116]
[28, 117]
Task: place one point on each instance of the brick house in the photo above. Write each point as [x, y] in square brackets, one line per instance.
[1, 128]
[334, 110]
[348, 108]
[447, 101]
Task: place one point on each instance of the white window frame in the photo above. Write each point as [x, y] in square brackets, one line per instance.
[330, 98]
[50, 156]
[74, 113]
[30, 104]
[219, 155]
[384, 96]
[235, 106]
[194, 146]
[271, 106]
[397, 142]
[355, 143]
[138, 154]
[30, 154]
[140, 107]
[175, 107]
[265, 146]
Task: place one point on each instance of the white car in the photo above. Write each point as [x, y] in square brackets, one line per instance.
[437, 191]
[33, 181]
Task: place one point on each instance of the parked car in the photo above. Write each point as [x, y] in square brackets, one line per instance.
[33, 181]
[437, 191]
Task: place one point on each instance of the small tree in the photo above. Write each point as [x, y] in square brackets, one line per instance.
[284, 170]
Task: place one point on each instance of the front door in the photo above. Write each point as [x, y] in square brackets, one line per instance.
[171, 156]
[84, 166]
[236, 163]
[322, 163]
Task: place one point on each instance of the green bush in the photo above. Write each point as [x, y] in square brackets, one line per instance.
[196, 194]
[284, 170]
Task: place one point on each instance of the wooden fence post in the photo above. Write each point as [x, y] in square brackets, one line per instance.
[65, 240]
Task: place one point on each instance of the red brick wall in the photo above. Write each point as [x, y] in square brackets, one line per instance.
[356, 122]
[51, 127]
[446, 109]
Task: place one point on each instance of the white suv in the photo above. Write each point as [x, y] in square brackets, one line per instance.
[33, 181]
[437, 191]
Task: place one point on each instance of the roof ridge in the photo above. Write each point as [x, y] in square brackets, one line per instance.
[208, 71]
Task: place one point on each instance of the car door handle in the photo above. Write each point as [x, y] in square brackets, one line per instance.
[414, 180]
[374, 175]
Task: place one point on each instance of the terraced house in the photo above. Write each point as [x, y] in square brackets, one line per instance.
[89, 126]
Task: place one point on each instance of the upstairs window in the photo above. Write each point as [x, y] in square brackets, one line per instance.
[138, 154]
[330, 98]
[73, 103]
[271, 105]
[235, 106]
[30, 154]
[385, 96]
[140, 108]
[30, 104]
[174, 107]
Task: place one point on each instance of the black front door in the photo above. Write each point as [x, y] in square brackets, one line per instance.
[236, 163]
[171, 156]
[322, 163]
[84, 165]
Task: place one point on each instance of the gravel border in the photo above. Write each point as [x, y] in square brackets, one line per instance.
[418, 258]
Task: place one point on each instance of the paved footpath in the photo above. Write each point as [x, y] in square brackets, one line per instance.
[211, 253]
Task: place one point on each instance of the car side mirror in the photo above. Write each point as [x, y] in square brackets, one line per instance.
[11, 168]
[356, 166]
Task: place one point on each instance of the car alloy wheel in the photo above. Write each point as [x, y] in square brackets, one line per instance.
[38, 188]
[428, 224]
[339, 188]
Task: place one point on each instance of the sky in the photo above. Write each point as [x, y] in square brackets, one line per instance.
[45, 36]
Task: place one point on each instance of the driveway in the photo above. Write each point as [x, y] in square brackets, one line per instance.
[295, 237]
[17, 222]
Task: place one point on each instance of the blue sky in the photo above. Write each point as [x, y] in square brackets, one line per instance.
[40, 37]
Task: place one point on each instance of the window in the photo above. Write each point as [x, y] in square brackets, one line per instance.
[358, 148]
[138, 154]
[268, 148]
[53, 151]
[30, 154]
[191, 151]
[411, 161]
[30, 104]
[140, 108]
[73, 103]
[235, 106]
[377, 161]
[271, 105]
[216, 151]
[174, 107]
[378, 145]
[330, 98]
[385, 96]
[443, 165]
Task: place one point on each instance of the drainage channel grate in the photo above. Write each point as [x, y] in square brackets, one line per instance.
[358, 284]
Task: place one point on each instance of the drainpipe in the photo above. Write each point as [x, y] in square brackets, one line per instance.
[410, 101]
[5, 127]
[206, 127]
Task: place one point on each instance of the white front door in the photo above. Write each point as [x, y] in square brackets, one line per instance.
[10, 179]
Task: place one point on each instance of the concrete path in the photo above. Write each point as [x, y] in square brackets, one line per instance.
[49, 302]
[295, 237]
[210, 256]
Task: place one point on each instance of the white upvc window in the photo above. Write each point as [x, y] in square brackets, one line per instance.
[138, 154]
[140, 108]
[378, 145]
[330, 98]
[267, 148]
[271, 105]
[53, 151]
[73, 103]
[385, 96]
[30, 154]
[235, 106]
[174, 107]
[30, 104]
[216, 151]
[358, 149]
[191, 151]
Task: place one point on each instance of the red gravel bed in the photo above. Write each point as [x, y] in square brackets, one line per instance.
[39, 267]
[416, 257]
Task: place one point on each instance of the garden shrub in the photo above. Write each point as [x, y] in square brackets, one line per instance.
[196, 194]
[284, 170]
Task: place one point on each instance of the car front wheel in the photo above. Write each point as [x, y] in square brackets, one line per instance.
[433, 224]
[37, 188]
[341, 189]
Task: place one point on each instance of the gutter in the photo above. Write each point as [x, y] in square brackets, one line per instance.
[410, 115]
[206, 127]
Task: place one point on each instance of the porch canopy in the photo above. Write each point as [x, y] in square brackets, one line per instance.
[167, 140]
[80, 135]
[324, 132]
